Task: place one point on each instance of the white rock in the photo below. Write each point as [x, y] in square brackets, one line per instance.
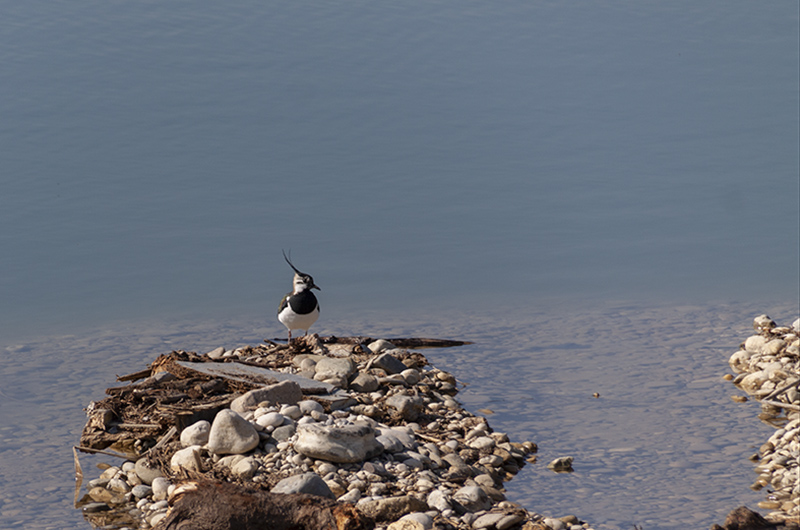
[187, 458]
[380, 345]
[755, 343]
[291, 411]
[420, 517]
[411, 376]
[160, 488]
[270, 419]
[439, 501]
[351, 443]
[351, 496]
[774, 346]
[195, 434]
[796, 325]
[555, 524]
[246, 468]
[754, 381]
[216, 353]
[231, 434]
[482, 443]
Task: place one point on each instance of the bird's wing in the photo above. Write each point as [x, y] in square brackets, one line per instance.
[284, 303]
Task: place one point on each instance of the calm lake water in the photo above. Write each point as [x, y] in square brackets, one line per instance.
[601, 195]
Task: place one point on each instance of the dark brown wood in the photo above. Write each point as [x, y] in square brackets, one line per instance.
[211, 505]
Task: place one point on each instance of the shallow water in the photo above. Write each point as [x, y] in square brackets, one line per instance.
[663, 446]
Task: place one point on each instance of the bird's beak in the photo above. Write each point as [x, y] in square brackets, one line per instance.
[315, 287]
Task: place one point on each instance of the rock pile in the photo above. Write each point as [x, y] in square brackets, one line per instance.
[365, 424]
[768, 368]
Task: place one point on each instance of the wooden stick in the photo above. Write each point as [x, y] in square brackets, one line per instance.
[782, 389]
[780, 404]
[101, 452]
[78, 470]
[134, 376]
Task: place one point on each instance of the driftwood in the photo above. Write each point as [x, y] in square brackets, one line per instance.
[210, 505]
[743, 518]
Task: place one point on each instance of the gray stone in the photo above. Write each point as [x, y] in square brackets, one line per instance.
[380, 345]
[409, 407]
[146, 471]
[141, 491]
[160, 488]
[482, 443]
[216, 353]
[364, 382]
[292, 411]
[231, 434]
[473, 498]
[487, 520]
[285, 392]
[334, 368]
[389, 363]
[395, 440]
[310, 483]
[423, 519]
[284, 432]
[438, 501]
[351, 443]
[270, 419]
[309, 405]
[245, 468]
[195, 434]
[508, 521]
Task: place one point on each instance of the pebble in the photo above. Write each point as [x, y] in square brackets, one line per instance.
[305, 483]
[270, 419]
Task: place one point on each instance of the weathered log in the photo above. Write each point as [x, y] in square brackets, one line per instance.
[743, 518]
[207, 505]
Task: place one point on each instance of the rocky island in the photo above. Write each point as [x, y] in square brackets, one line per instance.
[340, 433]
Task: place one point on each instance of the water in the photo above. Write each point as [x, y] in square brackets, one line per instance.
[529, 167]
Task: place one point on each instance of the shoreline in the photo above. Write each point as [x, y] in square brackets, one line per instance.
[768, 370]
[413, 444]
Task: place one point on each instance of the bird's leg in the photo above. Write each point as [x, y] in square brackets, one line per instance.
[290, 338]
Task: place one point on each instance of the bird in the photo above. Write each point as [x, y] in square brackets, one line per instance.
[299, 309]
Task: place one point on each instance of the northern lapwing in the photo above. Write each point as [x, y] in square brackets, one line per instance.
[300, 308]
